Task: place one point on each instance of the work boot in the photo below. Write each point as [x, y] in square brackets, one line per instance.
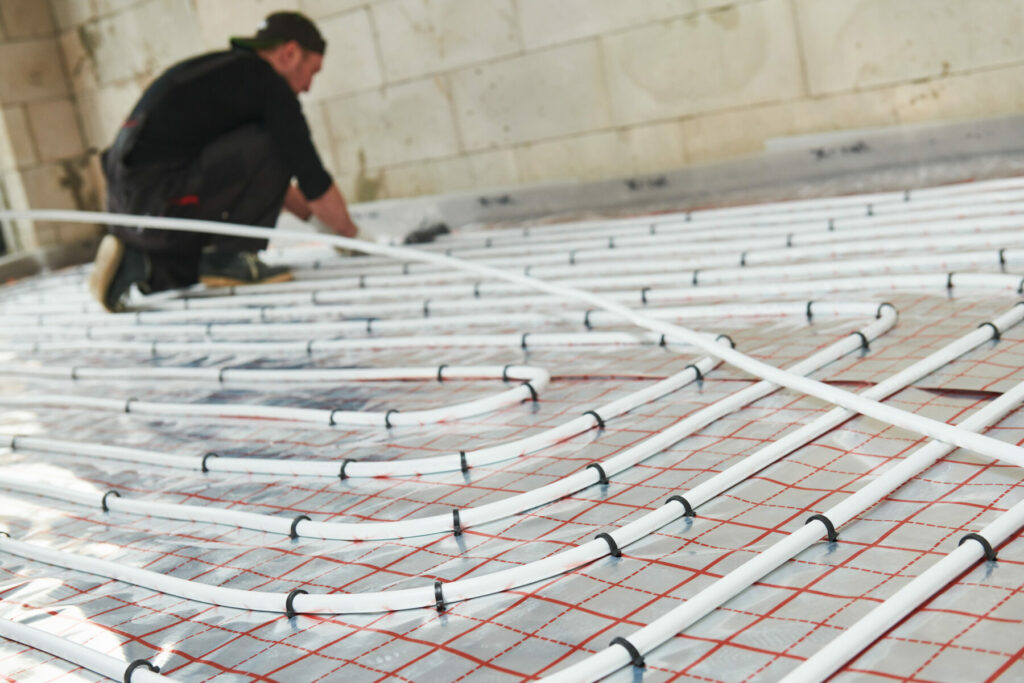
[228, 268]
[117, 267]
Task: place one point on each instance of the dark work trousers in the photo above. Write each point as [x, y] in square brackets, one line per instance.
[238, 178]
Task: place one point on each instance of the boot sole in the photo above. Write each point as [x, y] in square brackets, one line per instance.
[221, 281]
[104, 268]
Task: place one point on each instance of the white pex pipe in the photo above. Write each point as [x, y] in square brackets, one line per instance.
[535, 381]
[944, 282]
[790, 211]
[878, 621]
[440, 593]
[363, 468]
[104, 325]
[983, 445]
[659, 229]
[87, 658]
[314, 347]
[507, 507]
[729, 586]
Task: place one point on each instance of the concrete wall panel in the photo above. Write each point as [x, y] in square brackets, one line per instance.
[217, 20]
[420, 37]
[113, 45]
[438, 95]
[55, 129]
[104, 110]
[547, 23]
[725, 58]
[31, 70]
[875, 42]
[396, 125]
[350, 63]
[964, 97]
[320, 9]
[26, 19]
[478, 170]
[19, 151]
[546, 94]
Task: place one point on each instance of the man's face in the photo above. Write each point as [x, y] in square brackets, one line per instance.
[297, 66]
[301, 77]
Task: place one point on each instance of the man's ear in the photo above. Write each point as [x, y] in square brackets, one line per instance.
[293, 52]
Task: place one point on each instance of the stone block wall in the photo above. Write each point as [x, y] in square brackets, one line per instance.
[44, 161]
[427, 96]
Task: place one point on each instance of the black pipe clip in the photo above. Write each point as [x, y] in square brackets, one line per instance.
[687, 508]
[341, 473]
[103, 503]
[203, 466]
[289, 602]
[456, 523]
[635, 657]
[643, 295]
[293, 532]
[600, 421]
[138, 663]
[732, 344]
[613, 547]
[990, 553]
[810, 316]
[832, 533]
[863, 341]
[387, 417]
[440, 369]
[602, 478]
[696, 370]
[439, 597]
[586, 319]
[995, 330]
[463, 465]
[533, 392]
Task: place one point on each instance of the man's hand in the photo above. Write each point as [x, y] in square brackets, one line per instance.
[331, 209]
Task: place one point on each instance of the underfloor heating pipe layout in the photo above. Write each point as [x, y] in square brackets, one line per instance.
[952, 436]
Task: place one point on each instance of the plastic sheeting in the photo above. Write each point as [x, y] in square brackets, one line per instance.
[972, 630]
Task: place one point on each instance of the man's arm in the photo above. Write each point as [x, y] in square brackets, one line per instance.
[330, 207]
[295, 203]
